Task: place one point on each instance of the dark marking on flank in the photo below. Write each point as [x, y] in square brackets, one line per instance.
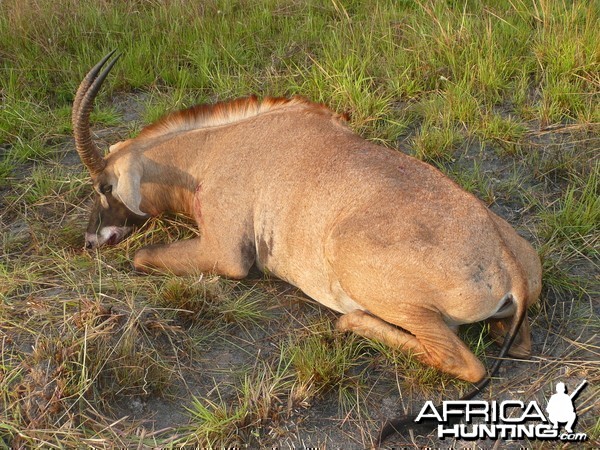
[478, 274]
[264, 249]
[248, 252]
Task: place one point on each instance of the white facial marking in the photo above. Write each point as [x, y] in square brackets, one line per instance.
[103, 201]
[106, 234]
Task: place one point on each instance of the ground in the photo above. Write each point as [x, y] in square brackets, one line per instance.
[501, 96]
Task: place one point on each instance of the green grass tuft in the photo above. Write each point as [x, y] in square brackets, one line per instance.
[574, 220]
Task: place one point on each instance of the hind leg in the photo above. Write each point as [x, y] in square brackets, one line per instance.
[431, 341]
[521, 347]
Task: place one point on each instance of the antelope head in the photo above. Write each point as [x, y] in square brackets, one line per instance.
[116, 210]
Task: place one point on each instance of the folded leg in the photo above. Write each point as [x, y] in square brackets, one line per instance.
[430, 340]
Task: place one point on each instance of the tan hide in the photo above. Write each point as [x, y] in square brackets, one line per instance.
[384, 239]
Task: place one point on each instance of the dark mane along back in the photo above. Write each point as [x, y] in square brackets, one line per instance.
[223, 113]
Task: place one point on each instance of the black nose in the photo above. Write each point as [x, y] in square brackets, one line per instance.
[88, 245]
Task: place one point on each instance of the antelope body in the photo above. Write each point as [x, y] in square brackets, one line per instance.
[389, 242]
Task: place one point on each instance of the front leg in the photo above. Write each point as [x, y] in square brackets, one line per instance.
[195, 256]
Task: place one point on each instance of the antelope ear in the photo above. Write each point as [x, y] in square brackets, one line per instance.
[127, 188]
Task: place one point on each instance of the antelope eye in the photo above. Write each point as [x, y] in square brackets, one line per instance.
[105, 189]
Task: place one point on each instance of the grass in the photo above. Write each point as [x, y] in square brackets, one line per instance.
[573, 222]
[502, 96]
[262, 397]
[321, 361]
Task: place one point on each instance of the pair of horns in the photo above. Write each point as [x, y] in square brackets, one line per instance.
[90, 154]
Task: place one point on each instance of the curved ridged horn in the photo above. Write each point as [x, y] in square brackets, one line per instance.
[90, 154]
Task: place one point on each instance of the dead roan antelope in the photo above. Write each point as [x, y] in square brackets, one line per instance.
[398, 249]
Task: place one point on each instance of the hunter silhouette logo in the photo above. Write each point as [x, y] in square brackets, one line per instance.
[560, 406]
[507, 419]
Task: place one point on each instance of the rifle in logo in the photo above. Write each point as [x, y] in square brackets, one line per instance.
[560, 406]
